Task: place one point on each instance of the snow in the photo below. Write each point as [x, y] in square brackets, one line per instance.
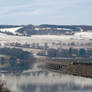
[51, 28]
[84, 35]
[12, 30]
[37, 29]
[42, 28]
[78, 35]
[64, 29]
[78, 38]
[53, 37]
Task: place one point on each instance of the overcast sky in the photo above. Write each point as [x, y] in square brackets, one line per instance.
[46, 12]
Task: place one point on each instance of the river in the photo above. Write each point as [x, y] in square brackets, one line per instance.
[39, 79]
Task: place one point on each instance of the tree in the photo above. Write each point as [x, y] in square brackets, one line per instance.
[2, 88]
[70, 51]
[13, 61]
[26, 45]
[45, 46]
[52, 52]
[82, 52]
[72, 44]
[2, 60]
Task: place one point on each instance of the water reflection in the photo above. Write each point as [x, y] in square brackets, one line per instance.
[39, 80]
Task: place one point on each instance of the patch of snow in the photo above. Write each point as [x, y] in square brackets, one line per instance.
[12, 30]
[42, 28]
[51, 37]
[37, 29]
[64, 29]
[84, 35]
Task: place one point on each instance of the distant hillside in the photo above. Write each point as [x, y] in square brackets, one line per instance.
[53, 29]
[73, 27]
[9, 26]
[44, 29]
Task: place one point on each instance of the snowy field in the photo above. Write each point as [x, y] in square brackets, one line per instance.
[84, 35]
[81, 37]
[77, 36]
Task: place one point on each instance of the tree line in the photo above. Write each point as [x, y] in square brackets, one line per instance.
[18, 59]
[69, 52]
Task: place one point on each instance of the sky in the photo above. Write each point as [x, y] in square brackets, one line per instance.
[60, 12]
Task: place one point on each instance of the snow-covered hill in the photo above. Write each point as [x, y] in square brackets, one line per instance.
[12, 30]
[77, 37]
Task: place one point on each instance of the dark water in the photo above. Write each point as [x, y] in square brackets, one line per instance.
[39, 80]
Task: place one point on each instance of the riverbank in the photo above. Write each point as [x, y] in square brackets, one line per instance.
[77, 69]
